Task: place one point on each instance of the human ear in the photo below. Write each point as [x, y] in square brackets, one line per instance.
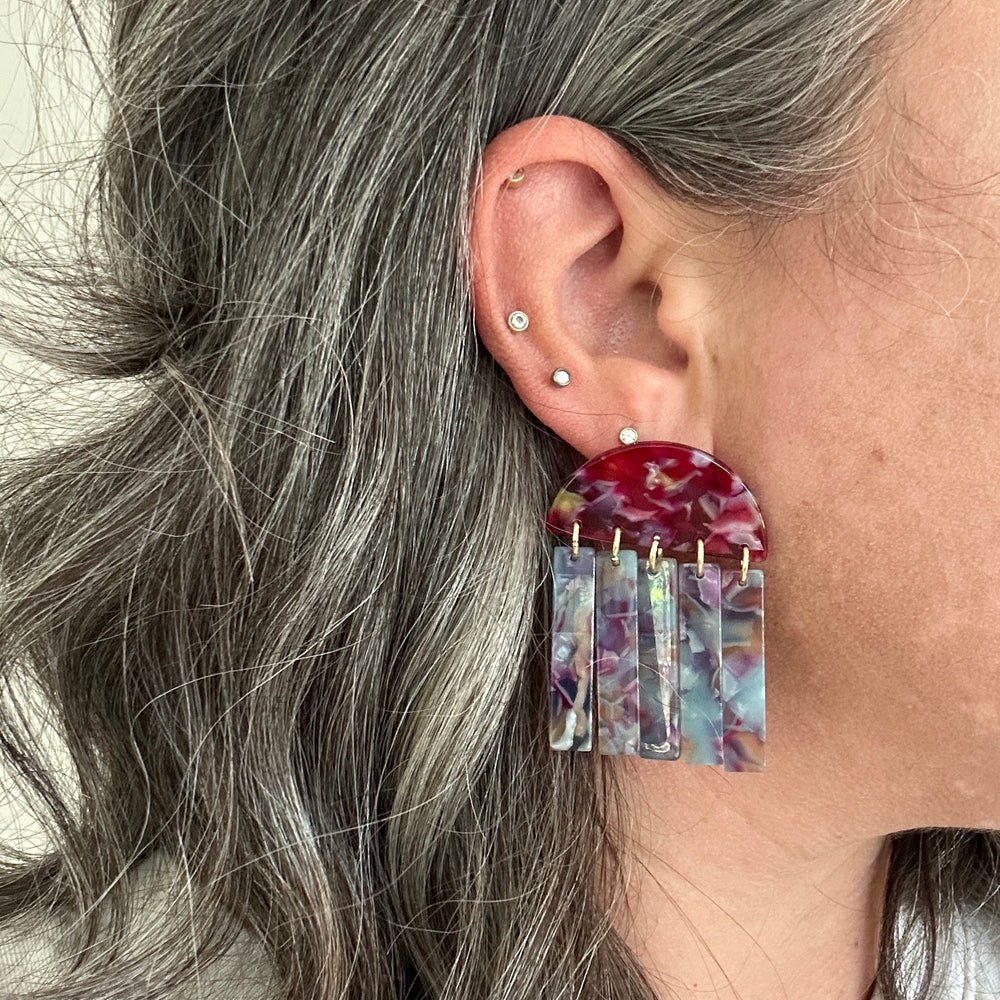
[615, 277]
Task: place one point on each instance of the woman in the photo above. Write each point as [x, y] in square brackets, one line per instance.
[290, 602]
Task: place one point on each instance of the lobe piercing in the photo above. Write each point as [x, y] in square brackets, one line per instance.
[629, 435]
[518, 321]
[560, 376]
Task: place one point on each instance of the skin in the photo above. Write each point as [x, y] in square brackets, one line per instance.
[848, 367]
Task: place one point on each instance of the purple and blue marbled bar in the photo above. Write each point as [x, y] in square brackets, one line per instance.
[617, 654]
[659, 664]
[743, 670]
[700, 605]
[570, 724]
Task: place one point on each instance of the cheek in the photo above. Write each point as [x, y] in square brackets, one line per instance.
[869, 425]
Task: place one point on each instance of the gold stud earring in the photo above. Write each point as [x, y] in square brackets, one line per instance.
[561, 377]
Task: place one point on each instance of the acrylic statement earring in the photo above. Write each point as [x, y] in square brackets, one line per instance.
[670, 654]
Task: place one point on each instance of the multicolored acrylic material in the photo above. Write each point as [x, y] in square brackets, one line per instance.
[667, 657]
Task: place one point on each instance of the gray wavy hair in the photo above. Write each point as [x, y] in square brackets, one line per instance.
[288, 605]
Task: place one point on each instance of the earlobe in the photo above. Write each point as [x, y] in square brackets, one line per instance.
[583, 291]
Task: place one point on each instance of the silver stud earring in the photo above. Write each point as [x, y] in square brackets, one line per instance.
[518, 321]
[560, 376]
[628, 435]
[515, 178]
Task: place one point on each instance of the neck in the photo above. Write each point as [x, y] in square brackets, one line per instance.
[732, 899]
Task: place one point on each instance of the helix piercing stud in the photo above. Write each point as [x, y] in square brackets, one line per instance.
[515, 178]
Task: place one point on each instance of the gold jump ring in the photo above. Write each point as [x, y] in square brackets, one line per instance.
[654, 552]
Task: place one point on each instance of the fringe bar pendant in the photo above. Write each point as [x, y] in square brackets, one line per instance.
[570, 678]
[743, 670]
[675, 668]
[659, 665]
[700, 601]
[617, 654]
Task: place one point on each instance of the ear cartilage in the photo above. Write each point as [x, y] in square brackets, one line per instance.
[672, 642]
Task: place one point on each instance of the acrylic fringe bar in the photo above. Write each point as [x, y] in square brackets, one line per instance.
[676, 660]
[659, 662]
[570, 718]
